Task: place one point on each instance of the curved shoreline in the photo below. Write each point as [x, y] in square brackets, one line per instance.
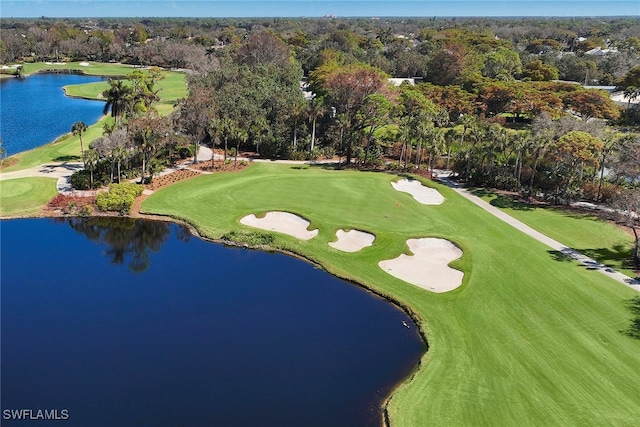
[417, 320]
[193, 229]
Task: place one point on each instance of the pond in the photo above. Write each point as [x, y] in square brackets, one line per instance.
[35, 110]
[136, 323]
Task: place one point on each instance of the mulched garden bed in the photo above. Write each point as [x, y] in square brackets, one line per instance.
[64, 204]
[172, 178]
[221, 166]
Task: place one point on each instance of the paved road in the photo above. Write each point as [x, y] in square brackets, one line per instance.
[553, 244]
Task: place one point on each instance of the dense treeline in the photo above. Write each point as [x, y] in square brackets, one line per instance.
[495, 48]
[499, 101]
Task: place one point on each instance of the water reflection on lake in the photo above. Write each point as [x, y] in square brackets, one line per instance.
[127, 240]
[132, 323]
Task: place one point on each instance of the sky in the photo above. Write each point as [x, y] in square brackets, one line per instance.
[314, 8]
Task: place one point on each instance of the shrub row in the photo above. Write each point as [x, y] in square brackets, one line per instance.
[249, 238]
[119, 198]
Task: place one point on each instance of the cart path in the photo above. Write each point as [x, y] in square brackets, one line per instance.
[553, 244]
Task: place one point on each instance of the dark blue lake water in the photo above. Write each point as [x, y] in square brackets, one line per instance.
[135, 323]
[35, 111]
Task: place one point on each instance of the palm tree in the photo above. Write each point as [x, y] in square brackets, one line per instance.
[224, 128]
[467, 121]
[78, 129]
[119, 97]
[147, 144]
[496, 143]
[436, 145]
[148, 133]
[240, 136]
[297, 113]
[259, 129]
[423, 131]
[477, 133]
[405, 136]
[610, 141]
[539, 144]
[449, 139]
[119, 154]
[91, 158]
[521, 142]
[314, 111]
[214, 132]
[342, 121]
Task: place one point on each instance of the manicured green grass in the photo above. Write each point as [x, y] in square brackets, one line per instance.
[87, 90]
[586, 233]
[25, 196]
[172, 87]
[526, 340]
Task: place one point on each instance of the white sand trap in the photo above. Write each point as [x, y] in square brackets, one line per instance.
[352, 241]
[428, 267]
[84, 64]
[422, 194]
[282, 222]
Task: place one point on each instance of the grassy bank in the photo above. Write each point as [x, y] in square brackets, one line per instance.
[25, 196]
[584, 232]
[528, 339]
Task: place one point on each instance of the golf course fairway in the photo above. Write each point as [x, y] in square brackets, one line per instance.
[527, 339]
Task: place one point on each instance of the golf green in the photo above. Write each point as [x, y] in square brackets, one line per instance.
[25, 196]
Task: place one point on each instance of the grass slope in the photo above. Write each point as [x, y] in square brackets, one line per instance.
[25, 196]
[586, 233]
[527, 339]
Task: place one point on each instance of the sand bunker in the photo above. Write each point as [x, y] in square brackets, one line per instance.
[428, 267]
[352, 241]
[422, 194]
[282, 222]
[84, 64]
